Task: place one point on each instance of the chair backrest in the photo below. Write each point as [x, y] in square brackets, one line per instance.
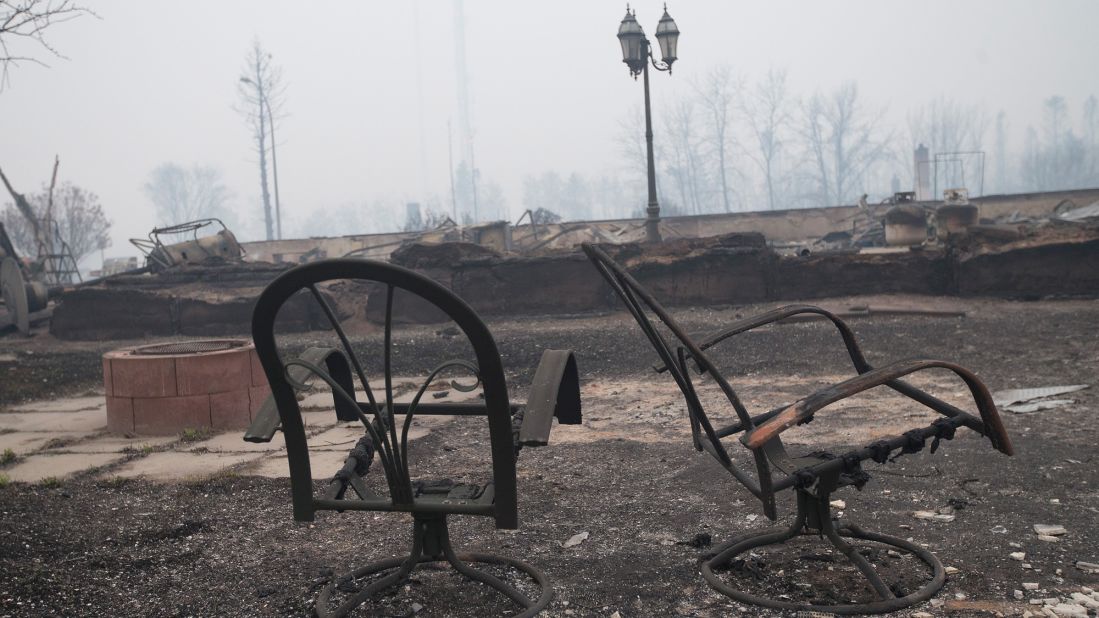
[375, 412]
[641, 305]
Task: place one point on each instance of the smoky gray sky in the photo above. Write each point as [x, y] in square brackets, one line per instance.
[155, 81]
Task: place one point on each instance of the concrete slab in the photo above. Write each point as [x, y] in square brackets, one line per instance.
[37, 467]
[323, 464]
[321, 397]
[344, 437]
[69, 404]
[23, 442]
[341, 438]
[320, 400]
[117, 444]
[233, 442]
[319, 420]
[84, 421]
[179, 466]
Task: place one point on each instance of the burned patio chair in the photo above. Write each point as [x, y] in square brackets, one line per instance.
[813, 476]
[510, 427]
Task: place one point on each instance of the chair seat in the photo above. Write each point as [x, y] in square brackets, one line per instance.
[791, 465]
[446, 491]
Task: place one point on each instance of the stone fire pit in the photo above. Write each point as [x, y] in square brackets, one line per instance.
[166, 388]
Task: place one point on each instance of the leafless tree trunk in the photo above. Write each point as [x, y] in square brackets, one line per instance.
[843, 143]
[1091, 136]
[717, 95]
[631, 146]
[945, 125]
[78, 221]
[260, 98]
[767, 108]
[26, 21]
[1002, 176]
[182, 195]
[683, 158]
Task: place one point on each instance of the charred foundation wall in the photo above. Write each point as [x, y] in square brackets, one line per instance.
[737, 269]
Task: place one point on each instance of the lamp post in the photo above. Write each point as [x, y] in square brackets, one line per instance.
[274, 160]
[636, 53]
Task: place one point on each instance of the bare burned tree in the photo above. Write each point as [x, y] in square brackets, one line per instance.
[1003, 181]
[23, 25]
[716, 92]
[1057, 160]
[260, 93]
[944, 125]
[76, 215]
[1091, 136]
[630, 141]
[180, 195]
[682, 156]
[842, 141]
[768, 109]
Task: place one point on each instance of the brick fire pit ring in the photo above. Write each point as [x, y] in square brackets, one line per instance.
[163, 389]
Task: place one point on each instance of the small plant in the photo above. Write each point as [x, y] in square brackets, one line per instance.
[4, 481]
[114, 482]
[58, 443]
[194, 435]
[51, 482]
[8, 456]
[146, 449]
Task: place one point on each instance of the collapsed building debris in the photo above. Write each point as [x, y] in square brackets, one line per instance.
[221, 245]
[1037, 256]
[210, 299]
[24, 282]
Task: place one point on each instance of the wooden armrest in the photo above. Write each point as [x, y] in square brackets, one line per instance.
[989, 424]
[555, 392]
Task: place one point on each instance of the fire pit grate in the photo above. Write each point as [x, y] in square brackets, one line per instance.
[189, 347]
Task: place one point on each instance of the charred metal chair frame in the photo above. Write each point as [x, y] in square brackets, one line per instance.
[555, 393]
[815, 476]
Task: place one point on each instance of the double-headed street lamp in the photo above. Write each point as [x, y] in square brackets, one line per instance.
[636, 54]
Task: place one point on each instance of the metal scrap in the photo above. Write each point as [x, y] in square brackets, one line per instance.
[1017, 400]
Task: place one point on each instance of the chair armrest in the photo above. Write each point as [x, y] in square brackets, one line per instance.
[555, 392]
[265, 424]
[267, 420]
[802, 411]
[781, 313]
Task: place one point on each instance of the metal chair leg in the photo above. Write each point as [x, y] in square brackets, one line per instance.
[813, 509]
[431, 543]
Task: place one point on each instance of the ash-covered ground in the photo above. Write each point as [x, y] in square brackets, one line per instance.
[228, 546]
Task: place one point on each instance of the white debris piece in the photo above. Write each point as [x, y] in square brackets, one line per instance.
[933, 516]
[1018, 555]
[1070, 610]
[576, 539]
[1050, 530]
[1083, 599]
[1004, 399]
[1038, 406]
[1087, 567]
